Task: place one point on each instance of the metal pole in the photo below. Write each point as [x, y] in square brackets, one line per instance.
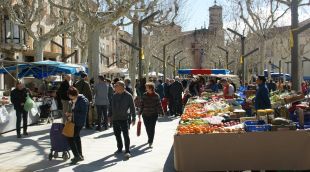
[242, 56]
[226, 59]
[181, 61]
[164, 61]
[174, 68]
[140, 50]
[164, 56]
[140, 25]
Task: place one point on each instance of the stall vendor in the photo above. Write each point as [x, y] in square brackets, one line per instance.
[213, 86]
[228, 89]
[18, 98]
[262, 100]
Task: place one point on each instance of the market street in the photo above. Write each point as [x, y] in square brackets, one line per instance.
[31, 153]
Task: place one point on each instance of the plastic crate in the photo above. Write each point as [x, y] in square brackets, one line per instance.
[256, 126]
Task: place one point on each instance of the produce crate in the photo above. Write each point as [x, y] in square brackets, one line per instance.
[283, 127]
[256, 126]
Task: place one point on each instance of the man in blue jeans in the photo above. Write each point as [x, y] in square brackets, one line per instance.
[122, 107]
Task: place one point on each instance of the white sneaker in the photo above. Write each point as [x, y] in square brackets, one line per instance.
[127, 155]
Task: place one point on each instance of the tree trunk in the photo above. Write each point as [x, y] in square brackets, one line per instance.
[135, 55]
[296, 65]
[83, 55]
[262, 56]
[93, 53]
[39, 49]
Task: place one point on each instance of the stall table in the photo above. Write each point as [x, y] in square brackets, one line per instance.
[10, 125]
[281, 150]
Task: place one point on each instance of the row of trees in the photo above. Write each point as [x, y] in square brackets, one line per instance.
[84, 21]
[261, 21]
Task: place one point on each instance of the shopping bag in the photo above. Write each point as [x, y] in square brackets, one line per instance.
[139, 126]
[68, 129]
[4, 115]
[28, 104]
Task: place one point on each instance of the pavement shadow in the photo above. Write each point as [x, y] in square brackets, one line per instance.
[110, 160]
[169, 164]
[51, 166]
[139, 150]
[99, 164]
[13, 138]
[87, 132]
[105, 135]
[167, 119]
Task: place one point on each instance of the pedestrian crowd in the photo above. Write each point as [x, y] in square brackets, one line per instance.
[102, 103]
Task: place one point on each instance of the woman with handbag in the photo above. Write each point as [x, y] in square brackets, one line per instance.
[78, 118]
[150, 108]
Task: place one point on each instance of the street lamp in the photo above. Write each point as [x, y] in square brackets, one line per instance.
[181, 61]
[226, 51]
[164, 56]
[242, 39]
[174, 57]
[141, 22]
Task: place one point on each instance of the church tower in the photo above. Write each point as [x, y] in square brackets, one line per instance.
[215, 17]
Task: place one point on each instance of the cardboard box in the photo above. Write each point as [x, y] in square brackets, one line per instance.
[285, 150]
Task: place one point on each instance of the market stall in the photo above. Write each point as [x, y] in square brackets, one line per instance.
[40, 70]
[213, 136]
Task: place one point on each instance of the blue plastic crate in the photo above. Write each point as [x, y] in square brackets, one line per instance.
[256, 126]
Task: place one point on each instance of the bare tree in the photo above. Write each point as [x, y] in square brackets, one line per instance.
[260, 16]
[31, 15]
[295, 31]
[168, 13]
[97, 15]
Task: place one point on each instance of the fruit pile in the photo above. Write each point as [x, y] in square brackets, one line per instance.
[196, 119]
[205, 129]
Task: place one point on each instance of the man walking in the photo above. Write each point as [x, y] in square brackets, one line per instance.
[63, 93]
[18, 98]
[102, 97]
[84, 88]
[175, 92]
[122, 109]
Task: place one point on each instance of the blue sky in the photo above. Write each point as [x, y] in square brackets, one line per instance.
[196, 13]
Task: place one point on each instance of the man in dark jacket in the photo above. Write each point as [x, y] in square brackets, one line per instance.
[175, 92]
[84, 88]
[122, 101]
[262, 100]
[63, 93]
[18, 98]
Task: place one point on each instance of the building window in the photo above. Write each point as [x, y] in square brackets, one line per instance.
[13, 33]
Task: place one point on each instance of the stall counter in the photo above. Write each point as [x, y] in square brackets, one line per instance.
[282, 150]
[10, 125]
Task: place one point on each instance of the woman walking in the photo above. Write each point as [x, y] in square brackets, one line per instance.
[78, 117]
[150, 108]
